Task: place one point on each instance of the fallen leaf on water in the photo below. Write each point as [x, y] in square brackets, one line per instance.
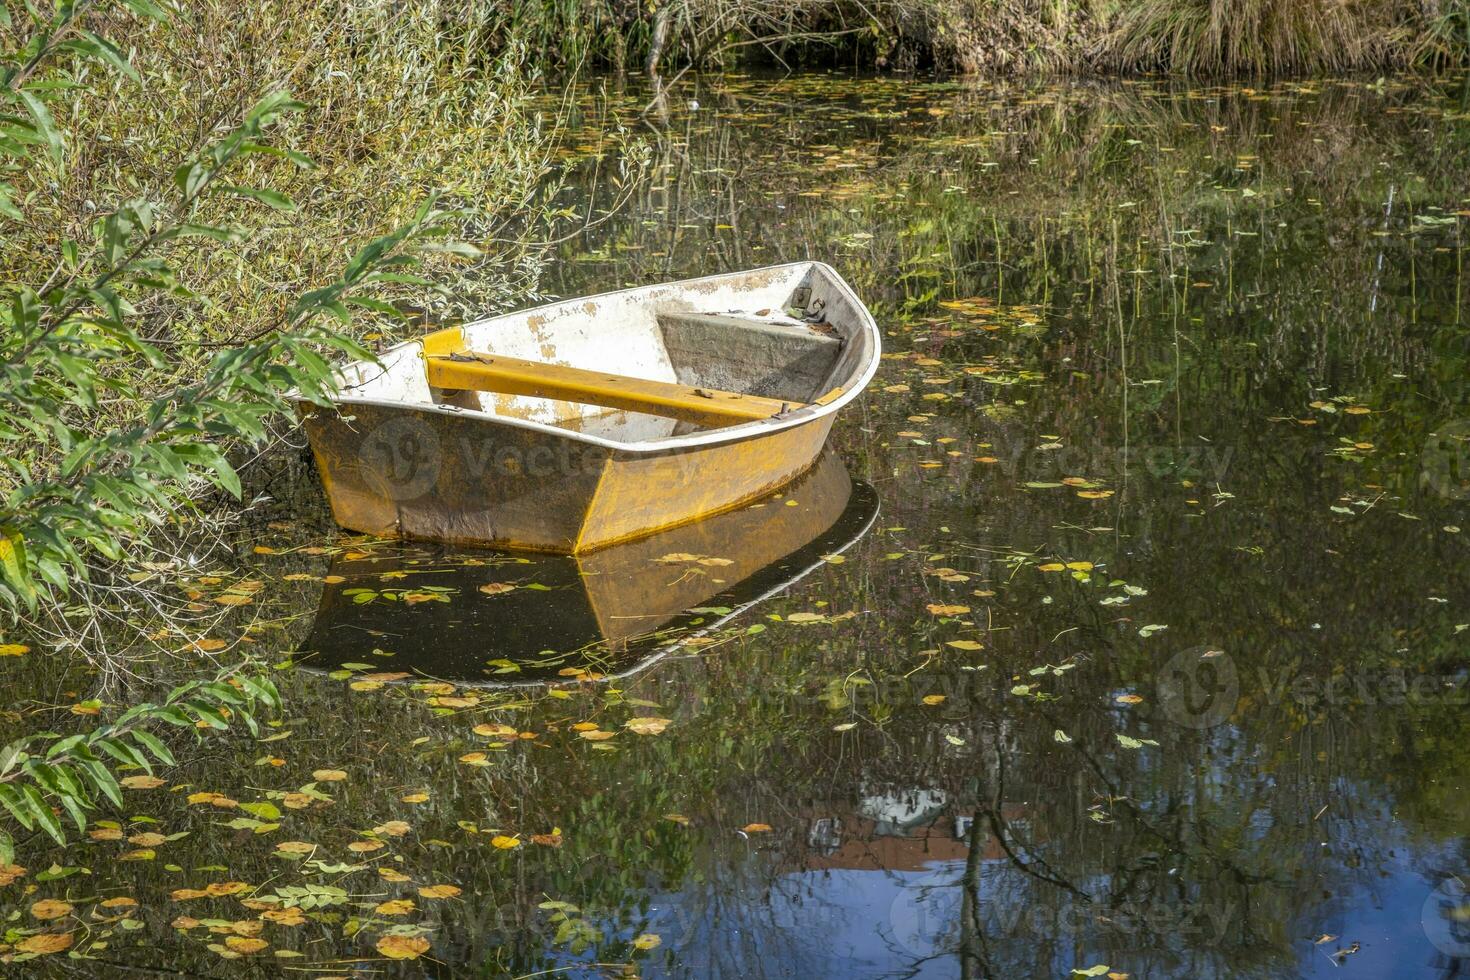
[965, 645]
[328, 775]
[396, 906]
[597, 736]
[440, 891]
[393, 828]
[505, 843]
[497, 588]
[364, 846]
[845, 726]
[46, 942]
[647, 725]
[231, 599]
[805, 617]
[141, 782]
[648, 940]
[403, 947]
[13, 649]
[245, 944]
[120, 902]
[499, 731]
[943, 610]
[219, 889]
[677, 818]
[1129, 699]
[756, 828]
[295, 847]
[934, 699]
[1051, 566]
[50, 908]
[284, 917]
[414, 798]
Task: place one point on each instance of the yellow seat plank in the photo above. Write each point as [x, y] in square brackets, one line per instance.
[473, 371]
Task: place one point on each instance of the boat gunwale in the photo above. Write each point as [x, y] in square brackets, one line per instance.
[852, 388]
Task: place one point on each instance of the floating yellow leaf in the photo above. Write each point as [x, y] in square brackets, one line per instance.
[414, 798]
[1129, 699]
[505, 843]
[647, 725]
[213, 799]
[497, 588]
[233, 599]
[46, 942]
[328, 775]
[1080, 566]
[597, 736]
[120, 902]
[440, 891]
[364, 846]
[403, 947]
[934, 699]
[939, 609]
[185, 894]
[295, 847]
[491, 730]
[51, 908]
[756, 828]
[284, 917]
[388, 874]
[649, 940]
[219, 889]
[393, 828]
[965, 645]
[1051, 566]
[245, 944]
[396, 906]
[475, 759]
[13, 649]
[141, 782]
[677, 818]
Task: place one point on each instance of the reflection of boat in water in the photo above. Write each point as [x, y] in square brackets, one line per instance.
[499, 618]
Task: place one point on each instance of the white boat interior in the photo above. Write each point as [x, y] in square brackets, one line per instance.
[791, 333]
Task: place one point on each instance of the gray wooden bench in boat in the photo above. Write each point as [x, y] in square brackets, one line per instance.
[801, 357]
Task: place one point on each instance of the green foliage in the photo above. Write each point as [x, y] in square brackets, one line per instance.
[85, 335]
[44, 772]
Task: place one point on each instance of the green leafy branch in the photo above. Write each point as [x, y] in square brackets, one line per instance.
[72, 351]
[74, 772]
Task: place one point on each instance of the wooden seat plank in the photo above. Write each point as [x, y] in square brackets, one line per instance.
[472, 371]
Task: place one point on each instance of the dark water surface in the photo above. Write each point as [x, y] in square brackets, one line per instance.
[1125, 631]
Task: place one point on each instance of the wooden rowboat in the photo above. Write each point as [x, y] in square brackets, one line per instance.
[591, 421]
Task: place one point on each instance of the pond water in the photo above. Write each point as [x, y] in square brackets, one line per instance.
[1124, 629]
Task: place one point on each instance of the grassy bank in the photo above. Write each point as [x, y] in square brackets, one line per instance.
[1197, 37]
